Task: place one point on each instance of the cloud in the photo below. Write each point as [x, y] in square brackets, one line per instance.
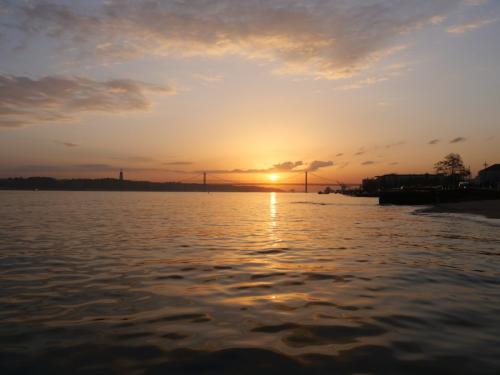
[436, 20]
[317, 164]
[37, 169]
[339, 154]
[433, 142]
[67, 144]
[77, 169]
[364, 82]
[395, 144]
[208, 78]
[27, 101]
[343, 165]
[323, 38]
[394, 163]
[178, 163]
[134, 159]
[359, 153]
[476, 2]
[291, 167]
[95, 167]
[458, 140]
[470, 25]
[368, 162]
[288, 166]
[388, 72]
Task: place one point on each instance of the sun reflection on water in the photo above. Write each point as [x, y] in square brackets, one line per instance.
[272, 218]
[272, 208]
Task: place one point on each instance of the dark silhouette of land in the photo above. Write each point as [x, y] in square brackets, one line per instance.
[112, 184]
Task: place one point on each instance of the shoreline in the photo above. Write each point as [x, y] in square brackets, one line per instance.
[487, 208]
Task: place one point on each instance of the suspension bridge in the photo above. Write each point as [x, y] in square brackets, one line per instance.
[303, 179]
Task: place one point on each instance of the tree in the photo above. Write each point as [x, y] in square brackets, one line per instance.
[452, 164]
[453, 167]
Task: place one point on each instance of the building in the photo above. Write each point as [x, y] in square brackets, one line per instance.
[121, 175]
[397, 181]
[490, 176]
[370, 185]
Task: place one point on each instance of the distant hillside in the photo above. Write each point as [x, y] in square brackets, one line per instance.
[111, 184]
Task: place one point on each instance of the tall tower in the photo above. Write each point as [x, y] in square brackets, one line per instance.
[121, 175]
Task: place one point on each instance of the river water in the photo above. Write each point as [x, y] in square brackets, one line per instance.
[243, 283]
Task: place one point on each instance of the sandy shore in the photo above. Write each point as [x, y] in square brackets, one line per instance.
[488, 208]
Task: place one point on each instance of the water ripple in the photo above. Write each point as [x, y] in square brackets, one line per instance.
[243, 283]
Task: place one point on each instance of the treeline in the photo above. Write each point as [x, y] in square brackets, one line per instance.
[111, 184]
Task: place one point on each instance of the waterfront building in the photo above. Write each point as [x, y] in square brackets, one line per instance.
[397, 181]
[490, 176]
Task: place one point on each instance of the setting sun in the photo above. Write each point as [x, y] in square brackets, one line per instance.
[273, 177]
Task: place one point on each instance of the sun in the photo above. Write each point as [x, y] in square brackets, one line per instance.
[273, 177]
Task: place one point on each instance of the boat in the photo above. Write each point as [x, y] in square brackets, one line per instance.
[327, 190]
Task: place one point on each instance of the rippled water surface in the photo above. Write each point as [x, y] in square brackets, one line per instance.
[243, 283]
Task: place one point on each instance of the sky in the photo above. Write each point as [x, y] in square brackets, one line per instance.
[246, 89]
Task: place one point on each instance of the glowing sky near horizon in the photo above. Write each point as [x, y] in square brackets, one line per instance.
[246, 89]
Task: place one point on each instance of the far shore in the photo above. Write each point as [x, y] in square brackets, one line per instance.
[487, 208]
